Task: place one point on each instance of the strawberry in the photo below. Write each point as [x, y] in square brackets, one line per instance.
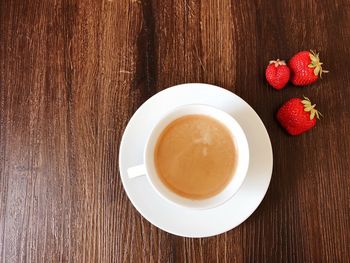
[277, 74]
[297, 115]
[305, 68]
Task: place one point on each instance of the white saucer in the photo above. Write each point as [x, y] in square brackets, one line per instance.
[182, 221]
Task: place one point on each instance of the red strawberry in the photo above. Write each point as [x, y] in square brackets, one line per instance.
[305, 68]
[297, 116]
[277, 74]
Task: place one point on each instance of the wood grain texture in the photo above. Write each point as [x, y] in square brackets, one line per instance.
[73, 72]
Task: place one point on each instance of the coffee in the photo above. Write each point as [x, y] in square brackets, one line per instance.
[195, 156]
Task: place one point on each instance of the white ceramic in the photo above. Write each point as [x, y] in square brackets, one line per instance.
[188, 222]
[148, 168]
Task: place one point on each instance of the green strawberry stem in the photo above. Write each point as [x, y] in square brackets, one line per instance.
[308, 107]
[277, 62]
[316, 64]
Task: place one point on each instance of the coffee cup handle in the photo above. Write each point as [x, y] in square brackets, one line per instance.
[136, 171]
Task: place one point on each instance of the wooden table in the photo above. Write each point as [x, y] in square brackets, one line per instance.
[72, 73]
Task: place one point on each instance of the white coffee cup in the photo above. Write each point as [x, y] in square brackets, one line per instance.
[148, 167]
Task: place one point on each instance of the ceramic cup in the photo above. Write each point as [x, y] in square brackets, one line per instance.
[148, 168]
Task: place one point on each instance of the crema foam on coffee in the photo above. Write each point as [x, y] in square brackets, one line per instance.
[195, 156]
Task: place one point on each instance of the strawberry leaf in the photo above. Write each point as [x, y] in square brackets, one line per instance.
[317, 115]
[317, 70]
[312, 115]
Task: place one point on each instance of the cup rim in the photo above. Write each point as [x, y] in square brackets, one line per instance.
[242, 163]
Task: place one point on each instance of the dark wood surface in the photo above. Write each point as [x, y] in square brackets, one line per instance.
[72, 73]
